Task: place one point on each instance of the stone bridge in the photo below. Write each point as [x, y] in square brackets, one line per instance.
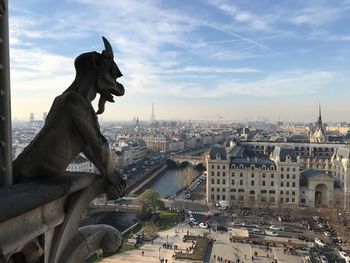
[195, 160]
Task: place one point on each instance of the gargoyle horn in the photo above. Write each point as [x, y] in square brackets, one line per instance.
[108, 48]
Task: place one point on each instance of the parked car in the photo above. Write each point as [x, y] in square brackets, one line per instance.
[303, 238]
[271, 233]
[273, 227]
[236, 224]
[345, 256]
[203, 225]
[327, 233]
[319, 242]
[221, 228]
[323, 259]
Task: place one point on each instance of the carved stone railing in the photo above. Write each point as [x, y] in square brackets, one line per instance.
[42, 219]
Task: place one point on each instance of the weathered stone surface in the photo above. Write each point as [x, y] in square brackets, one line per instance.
[71, 126]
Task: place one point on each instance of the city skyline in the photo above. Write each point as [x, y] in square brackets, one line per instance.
[196, 60]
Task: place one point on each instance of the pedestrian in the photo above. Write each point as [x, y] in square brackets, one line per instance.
[143, 252]
[252, 258]
[245, 256]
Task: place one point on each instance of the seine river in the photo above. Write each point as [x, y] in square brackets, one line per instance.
[172, 180]
[167, 184]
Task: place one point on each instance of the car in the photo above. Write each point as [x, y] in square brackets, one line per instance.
[327, 233]
[303, 238]
[235, 224]
[273, 227]
[316, 218]
[323, 259]
[344, 255]
[319, 242]
[203, 225]
[271, 233]
[221, 228]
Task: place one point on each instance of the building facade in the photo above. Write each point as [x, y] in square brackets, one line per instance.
[262, 174]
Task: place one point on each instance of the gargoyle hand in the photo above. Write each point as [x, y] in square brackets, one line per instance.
[115, 187]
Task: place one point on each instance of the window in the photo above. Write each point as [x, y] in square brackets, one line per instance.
[241, 175]
[223, 167]
[272, 183]
[218, 173]
[218, 189]
[223, 174]
[212, 173]
[233, 174]
[252, 183]
[293, 200]
[293, 184]
[287, 200]
[281, 192]
[233, 182]
[232, 190]
[287, 184]
[282, 176]
[293, 169]
[263, 191]
[282, 184]
[287, 192]
[303, 201]
[287, 176]
[212, 167]
[233, 197]
[212, 197]
[212, 181]
[272, 176]
[252, 192]
[223, 181]
[293, 193]
[287, 169]
[240, 190]
[212, 189]
[218, 197]
[282, 169]
[240, 182]
[218, 181]
[252, 175]
[241, 198]
[281, 200]
[223, 197]
[218, 167]
[272, 192]
[272, 199]
[263, 175]
[223, 189]
[263, 199]
[263, 183]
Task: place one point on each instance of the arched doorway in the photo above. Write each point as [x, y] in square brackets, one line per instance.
[321, 195]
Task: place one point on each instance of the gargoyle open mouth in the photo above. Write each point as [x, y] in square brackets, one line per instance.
[107, 83]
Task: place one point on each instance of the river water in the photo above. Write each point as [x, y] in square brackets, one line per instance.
[167, 184]
[172, 180]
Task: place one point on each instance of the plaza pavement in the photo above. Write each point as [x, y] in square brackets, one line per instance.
[221, 248]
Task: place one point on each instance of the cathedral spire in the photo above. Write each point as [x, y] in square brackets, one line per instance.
[319, 121]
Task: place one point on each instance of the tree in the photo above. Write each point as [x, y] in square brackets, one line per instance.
[150, 200]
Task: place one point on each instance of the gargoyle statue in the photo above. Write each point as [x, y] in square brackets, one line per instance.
[71, 126]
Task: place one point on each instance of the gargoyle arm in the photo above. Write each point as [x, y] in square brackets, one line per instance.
[97, 150]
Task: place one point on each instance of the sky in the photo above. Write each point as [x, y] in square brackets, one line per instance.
[194, 59]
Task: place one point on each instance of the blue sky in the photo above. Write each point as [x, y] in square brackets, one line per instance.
[242, 59]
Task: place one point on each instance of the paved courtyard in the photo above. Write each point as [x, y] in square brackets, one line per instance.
[222, 248]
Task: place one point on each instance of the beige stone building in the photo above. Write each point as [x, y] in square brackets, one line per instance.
[258, 174]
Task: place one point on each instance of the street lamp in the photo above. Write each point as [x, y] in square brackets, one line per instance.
[159, 252]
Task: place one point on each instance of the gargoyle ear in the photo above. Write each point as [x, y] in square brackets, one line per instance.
[108, 52]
